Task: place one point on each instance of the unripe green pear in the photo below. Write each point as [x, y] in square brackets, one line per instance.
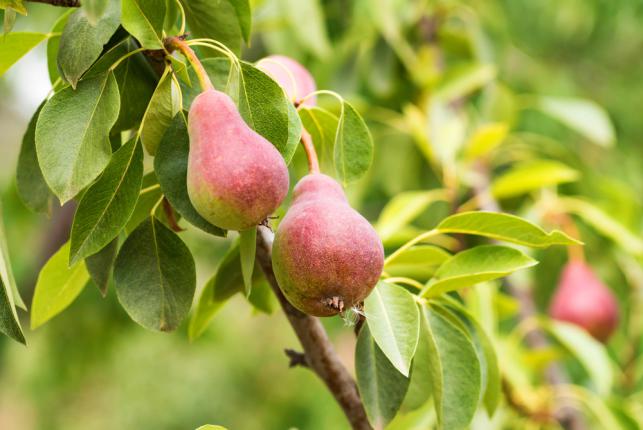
[582, 299]
[294, 78]
[236, 178]
[326, 256]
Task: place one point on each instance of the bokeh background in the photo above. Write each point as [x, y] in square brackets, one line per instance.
[93, 368]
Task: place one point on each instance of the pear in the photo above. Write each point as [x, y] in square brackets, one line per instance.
[326, 256]
[582, 299]
[294, 78]
[236, 178]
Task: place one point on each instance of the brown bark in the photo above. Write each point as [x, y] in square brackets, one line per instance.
[320, 355]
[61, 3]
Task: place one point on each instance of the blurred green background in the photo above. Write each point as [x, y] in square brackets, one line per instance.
[93, 368]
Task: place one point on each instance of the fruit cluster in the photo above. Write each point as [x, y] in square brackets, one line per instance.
[326, 256]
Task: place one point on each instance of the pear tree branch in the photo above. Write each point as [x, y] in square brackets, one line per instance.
[319, 354]
[61, 3]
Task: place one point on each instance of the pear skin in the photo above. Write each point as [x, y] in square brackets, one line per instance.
[236, 178]
[326, 256]
[293, 77]
[582, 299]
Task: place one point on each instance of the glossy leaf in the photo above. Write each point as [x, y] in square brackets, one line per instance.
[158, 115]
[505, 227]
[14, 45]
[532, 175]
[171, 166]
[353, 153]
[30, 183]
[404, 208]
[584, 116]
[72, 134]
[219, 21]
[475, 265]
[100, 266]
[81, 42]
[381, 386]
[144, 20]
[155, 277]
[456, 377]
[9, 295]
[419, 262]
[57, 287]
[108, 204]
[394, 323]
[247, 249]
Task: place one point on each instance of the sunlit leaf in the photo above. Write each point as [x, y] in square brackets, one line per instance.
[531, 175]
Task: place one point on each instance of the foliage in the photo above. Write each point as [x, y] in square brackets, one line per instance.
[451, 142]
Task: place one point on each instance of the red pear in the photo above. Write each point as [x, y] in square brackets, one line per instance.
[326, 256]
[294, 78]
[582, 299]
[236, 178]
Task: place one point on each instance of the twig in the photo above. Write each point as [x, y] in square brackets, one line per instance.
[318, 350]
[296, 358]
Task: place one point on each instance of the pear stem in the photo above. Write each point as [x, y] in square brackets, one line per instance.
[180, 44]
[311, 154]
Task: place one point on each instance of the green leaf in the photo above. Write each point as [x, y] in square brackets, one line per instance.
[171, 166]
[312, 34]
[217, 20]
[81, 43]
[418, 262]
[590, 353]
[94, 9]
[14, 45]
[244, 15]
[583, 116]
[15, 5]
[322, 126]
[225, 283]
[457, 376]
[144, 19]
[381, 386]
[57, 287]
[531, 175]
[155, 277]
[9, 295]
[353, 152]
[247, 249]
[475, 265]
[159, 114]
[53, 45]
[485, 139]
[486, 353]
[422, 372]
[505, 227]
[72, 134]
[136, 83]
[30, 183]
[604, 223]
[100, 266]
[108, 204]
[150, 194]
[404, 208]
[180, 69]
[262, 298]
[394, 323]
